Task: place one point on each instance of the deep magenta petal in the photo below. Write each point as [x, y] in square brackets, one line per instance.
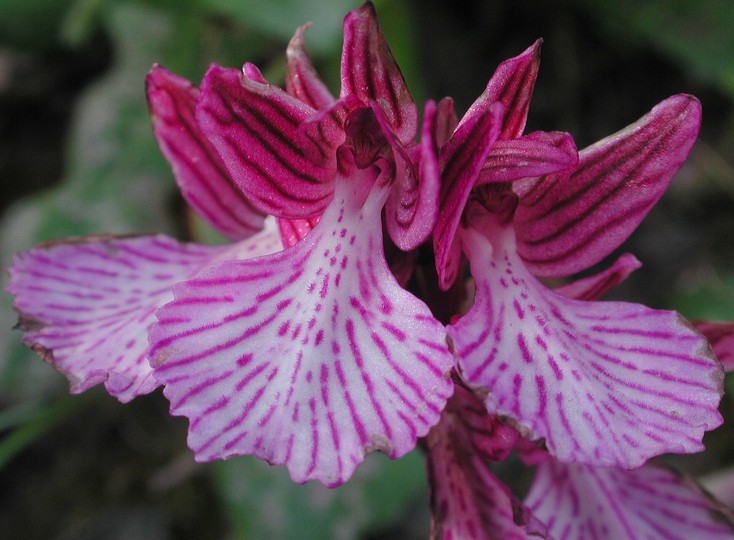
[596, 286]
[198, 169]
[461, 160]
[572, 222]
[446, 121]
[301, 79]
[86, 305]
[255, 129]
[511, 85]
[312, 357]
[578, 502]
[535, 154]
[321, 135]
[721, 338]
[412, 206]
[370, 72]
[293, 231]
[467, 500]
[604, 383]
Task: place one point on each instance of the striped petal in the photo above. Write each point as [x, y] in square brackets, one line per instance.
[461, 160]
[412, 206]
[301, 79]
[254, 127]
[320, 135]
[446, 121]
[535, 154]
[467, 500]
[721, 338]
[511, 85]
[596, 286]
[572, 222]
[605, 383]
[370, 72]
[311, 358]
[578, 502]
[86, 305]
[199, 172]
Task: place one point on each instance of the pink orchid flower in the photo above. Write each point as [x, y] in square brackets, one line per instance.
[603, 383]
[301, 344]
[566, 500]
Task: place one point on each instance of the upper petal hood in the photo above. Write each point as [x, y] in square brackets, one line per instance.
[567, 223]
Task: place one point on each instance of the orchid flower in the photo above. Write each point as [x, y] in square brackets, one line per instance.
[566, 500]
[315, 356]
[304, 344]
[603, 383]
[86, 305]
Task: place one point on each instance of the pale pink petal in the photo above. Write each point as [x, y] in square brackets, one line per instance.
[301, 79]
[199, 172]
[312, 357]
[721, 338]
[605, 383]
[412, 206]
[467, 500]
[461, 160]
[596, 286]
[572, 222]
[579, 502]
[511, 85]
[370, 72]
[255, 129]
[86, 305]
[535, 154]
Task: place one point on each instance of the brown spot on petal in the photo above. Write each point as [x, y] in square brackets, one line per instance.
[378, 443]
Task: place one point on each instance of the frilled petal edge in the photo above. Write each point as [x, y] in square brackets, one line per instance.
[311, 358]
[605, 383]
[85, 305]
[577, 502]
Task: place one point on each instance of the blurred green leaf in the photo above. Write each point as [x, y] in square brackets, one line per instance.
[263, 501]
[116, 182]
[33, 422]
[281, 18]
[696, 34]
[709, 300]
[32, 24]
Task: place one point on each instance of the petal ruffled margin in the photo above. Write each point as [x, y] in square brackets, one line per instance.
[605, 383]
[86, 305]
[578, 502]
[311, 358]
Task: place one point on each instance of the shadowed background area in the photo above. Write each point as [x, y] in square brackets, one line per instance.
[77, 156]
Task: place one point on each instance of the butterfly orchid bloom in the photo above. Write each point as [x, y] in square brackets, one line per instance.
[303, 343]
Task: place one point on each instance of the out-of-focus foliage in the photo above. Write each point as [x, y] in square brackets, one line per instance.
[265, 503]
[698, 34]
